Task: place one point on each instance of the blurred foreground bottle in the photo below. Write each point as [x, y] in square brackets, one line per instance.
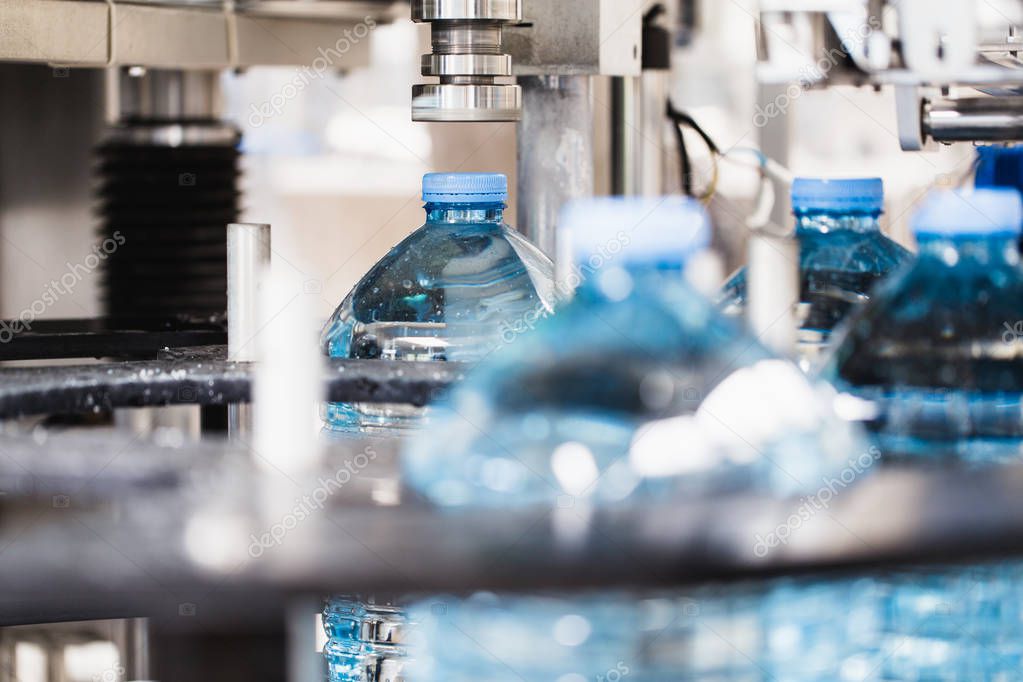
[842, 255]
[953, 624]
[939, 348]
[639, 388]
[452, 290]
[999, 166]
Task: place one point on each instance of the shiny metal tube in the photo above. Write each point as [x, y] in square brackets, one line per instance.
[980, 119]
[163, 95]
[626, 135]
[555, 152]
[136, 650]
[467, 57]
[654, 85]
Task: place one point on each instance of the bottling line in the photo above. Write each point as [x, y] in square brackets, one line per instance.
[168, 506]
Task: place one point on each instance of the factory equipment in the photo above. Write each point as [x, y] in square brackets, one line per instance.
[211, 558]
[932, 54]
[169, 186]
[467, 57]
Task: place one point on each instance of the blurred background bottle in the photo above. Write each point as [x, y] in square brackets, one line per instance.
[954, 624]
[639, 388]
[999, 166]
[938, 349]
[842, 255]
[450, 291]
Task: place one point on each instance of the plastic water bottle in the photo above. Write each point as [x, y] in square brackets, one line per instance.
[779, 631]
[639, 388]
[999, 167]
[842, 255]
[956, 624]
[450, 291]
[939, 348]
[365, 641]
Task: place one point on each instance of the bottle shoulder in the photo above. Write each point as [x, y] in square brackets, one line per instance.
[932, 325]
[850, 251]
[590, 337]
[445, 275]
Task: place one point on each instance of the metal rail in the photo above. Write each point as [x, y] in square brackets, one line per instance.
[209, 546]
[205, 378]
[103, 338]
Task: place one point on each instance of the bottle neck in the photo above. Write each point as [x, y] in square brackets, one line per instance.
[986, 250]
[613, 281]
[465, 213]
[822, 222]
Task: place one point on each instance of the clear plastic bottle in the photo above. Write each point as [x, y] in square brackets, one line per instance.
[639, 388]
[791, 631]
[939, 348]
[450, 291]
[949, 624]
[365, 641]
[842, 254]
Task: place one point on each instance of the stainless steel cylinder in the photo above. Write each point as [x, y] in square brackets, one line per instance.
[163, 95]
[626, 136]
[654, 87]
[467, 59]
[136, 650]
[980, 119]
[555, 152]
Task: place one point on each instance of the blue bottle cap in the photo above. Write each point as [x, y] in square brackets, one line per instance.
[668, 229]
[999, 167]
[465, 188]
[856, 195]
[970, 212]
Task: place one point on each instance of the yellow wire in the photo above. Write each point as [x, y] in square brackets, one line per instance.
[708, 194]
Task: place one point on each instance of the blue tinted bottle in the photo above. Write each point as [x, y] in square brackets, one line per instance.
[939, 349]
[637, 389]
[450, 291]
[365, 641]
[842, 255]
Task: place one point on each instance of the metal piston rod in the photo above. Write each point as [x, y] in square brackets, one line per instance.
[978, 119]
[467, 57]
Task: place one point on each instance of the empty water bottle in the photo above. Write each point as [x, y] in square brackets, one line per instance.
[842, 255]
[638, 388]
[450, 291]
[938, 349]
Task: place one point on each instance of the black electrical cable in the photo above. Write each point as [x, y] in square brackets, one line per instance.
[654, 13]
[682, 120]
[686, 167]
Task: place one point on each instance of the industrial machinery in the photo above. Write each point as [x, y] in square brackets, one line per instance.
[209, 557]
[953, 65]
